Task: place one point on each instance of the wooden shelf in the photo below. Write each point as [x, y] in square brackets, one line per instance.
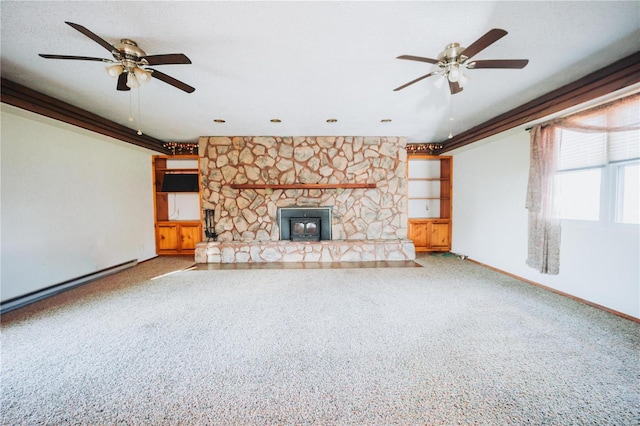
[303, 186]
[177, 192]
[177, 171]
[431, 179]
[184, 221]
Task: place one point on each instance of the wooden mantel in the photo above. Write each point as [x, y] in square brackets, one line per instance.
[303, 186]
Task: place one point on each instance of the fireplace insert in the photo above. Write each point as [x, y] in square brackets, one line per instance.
[320, 224]
[305, 228]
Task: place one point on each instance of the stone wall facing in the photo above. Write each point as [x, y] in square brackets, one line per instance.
[358, 214]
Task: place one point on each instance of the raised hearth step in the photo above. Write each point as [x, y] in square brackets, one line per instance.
[305, 251]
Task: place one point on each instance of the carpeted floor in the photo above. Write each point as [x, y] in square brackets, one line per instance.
[451, 343]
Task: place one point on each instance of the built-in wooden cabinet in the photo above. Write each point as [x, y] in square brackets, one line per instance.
[429, 191]
[177, 238]
[178, 212]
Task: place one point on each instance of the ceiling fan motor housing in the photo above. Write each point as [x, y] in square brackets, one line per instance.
[130, 47]
[129, 54]
[452, 53]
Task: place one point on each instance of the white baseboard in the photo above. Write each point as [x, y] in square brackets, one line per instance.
[26, 299]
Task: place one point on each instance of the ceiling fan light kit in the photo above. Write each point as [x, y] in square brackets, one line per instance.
[132, 81]
[143, 76]
[115, 70]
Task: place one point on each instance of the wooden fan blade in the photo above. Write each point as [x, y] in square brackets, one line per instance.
[122, 82]
[499, 63]
[172, 81]
[455, 87]
[483, 42]
[170, 58]
[79, 58]
[418, 58]
[415, 81]
[94, 37]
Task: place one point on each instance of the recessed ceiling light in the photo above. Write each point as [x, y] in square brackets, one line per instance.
[385, 120]
[276, 120]
[219, 120]
[332, 120]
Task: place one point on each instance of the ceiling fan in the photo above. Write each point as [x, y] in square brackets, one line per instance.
[454, 59]
[128, 62]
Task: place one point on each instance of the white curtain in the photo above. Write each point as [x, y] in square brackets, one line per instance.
[544, 226]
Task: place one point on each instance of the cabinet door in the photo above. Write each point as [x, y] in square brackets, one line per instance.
[418, 233]
[189, 236]
[167, 237]
[439, 235]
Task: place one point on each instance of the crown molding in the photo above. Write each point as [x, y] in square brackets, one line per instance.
[22, 97]
[616, 76]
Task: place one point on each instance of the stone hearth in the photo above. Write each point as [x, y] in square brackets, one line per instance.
[317, 251]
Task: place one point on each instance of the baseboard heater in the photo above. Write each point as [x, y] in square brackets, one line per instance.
[28, 298]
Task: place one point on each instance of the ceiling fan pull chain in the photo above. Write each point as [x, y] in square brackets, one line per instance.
[450, 116]
[139, 132]
[130, 107]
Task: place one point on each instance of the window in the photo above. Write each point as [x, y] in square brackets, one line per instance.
[578, 194]
[627, 206]
[585, 167]
[597, 177]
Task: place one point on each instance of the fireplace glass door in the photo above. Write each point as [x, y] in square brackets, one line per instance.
[305, 228]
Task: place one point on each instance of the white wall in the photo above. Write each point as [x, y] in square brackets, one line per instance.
[73, 202]
[598, 262]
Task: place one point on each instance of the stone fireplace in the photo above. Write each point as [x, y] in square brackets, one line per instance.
[251, 182]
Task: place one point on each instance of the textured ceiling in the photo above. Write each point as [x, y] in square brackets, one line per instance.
[306, 62]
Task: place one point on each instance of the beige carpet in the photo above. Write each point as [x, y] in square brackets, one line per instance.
[451, 343]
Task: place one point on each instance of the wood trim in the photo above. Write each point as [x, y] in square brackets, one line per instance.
[561, 293]
[179, 171]
[39, 103]
[618, 75]
[304, 186]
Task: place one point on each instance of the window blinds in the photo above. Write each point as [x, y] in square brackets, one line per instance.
[606, 134]
[624, 146]
[579, 150]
